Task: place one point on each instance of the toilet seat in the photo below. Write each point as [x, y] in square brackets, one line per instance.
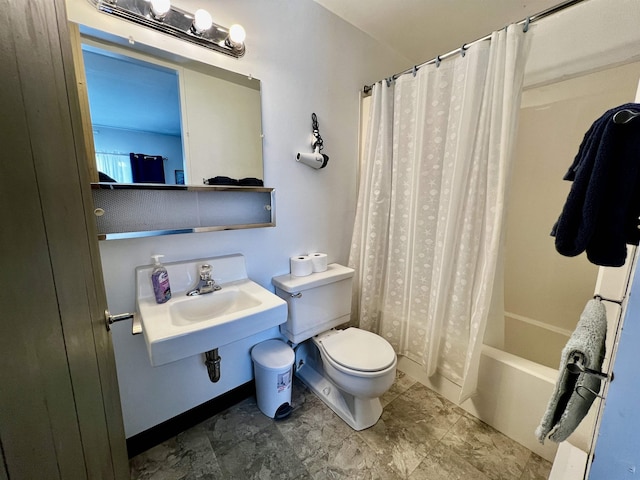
[357, 351]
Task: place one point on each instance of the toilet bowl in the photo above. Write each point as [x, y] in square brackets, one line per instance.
[361, 363]
[347, 369]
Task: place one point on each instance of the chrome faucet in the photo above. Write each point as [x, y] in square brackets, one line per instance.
[206, 284]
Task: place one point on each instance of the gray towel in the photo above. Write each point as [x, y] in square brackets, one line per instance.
[568, 405]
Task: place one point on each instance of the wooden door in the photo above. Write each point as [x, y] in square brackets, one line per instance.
[60, 414]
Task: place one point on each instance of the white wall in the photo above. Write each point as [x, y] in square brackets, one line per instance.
[308, 61]
[236, 149]
[586, 37]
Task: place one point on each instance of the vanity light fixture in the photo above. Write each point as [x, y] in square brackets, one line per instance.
[202, 21]
[161, 16]
[159, 8]
[236, 37]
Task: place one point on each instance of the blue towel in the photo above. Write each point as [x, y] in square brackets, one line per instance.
[601, 213]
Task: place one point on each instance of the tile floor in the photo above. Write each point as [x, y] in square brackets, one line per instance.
[421, 436]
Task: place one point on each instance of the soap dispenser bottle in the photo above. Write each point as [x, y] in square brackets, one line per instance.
[160, 280]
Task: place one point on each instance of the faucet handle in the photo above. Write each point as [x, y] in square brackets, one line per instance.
[205, 271]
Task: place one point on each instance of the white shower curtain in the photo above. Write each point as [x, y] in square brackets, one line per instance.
[430, 207]
[116, 165]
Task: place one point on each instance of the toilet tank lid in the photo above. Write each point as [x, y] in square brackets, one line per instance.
[292, 284]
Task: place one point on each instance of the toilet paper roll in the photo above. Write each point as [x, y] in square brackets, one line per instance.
[301, 265]
[319, 261]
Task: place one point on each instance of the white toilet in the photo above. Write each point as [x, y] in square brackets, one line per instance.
[348, 369]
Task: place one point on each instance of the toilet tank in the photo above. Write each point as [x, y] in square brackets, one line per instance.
[316, 302]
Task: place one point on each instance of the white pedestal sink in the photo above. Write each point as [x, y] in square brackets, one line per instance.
[186, 326]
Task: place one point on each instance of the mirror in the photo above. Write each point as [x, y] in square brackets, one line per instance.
[160, 118]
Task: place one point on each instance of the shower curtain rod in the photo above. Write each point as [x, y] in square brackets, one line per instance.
[113, 153]
[461, 50]
[118, 154]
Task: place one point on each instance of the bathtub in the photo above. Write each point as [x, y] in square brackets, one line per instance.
[512, 396]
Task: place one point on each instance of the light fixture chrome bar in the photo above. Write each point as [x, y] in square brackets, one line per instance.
[176, 22]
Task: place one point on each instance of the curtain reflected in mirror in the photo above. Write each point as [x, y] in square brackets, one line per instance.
[113, 167]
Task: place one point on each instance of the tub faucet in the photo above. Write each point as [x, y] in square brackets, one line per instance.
[206, 284]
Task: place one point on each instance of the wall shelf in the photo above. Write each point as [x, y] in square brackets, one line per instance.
[142, 210]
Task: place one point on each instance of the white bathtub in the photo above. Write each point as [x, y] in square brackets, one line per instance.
[512, 395]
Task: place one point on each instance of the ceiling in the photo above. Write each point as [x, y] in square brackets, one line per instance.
[420, 30]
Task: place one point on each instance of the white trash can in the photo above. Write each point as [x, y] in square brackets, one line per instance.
[273, 369]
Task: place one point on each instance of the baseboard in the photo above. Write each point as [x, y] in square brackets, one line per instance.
[170, 428]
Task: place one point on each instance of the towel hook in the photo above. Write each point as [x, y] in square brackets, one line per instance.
[576, 367]
[578, 387]
[624, 116]
[604, 299]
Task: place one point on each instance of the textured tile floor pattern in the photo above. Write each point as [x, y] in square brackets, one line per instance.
[421, 436]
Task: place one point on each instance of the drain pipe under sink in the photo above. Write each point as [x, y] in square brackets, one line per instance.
[212, 361]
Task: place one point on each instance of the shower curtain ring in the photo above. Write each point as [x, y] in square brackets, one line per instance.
[463, 50]
[438, 61]
[414, 71]
[527, 22]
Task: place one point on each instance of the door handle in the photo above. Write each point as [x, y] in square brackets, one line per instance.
[136, 326]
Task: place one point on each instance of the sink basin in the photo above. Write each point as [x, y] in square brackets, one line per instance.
[188, 310]
[186, 326]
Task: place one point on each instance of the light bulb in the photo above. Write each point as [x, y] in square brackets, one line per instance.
[202, 21]
[159, 8]
[237, 34]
